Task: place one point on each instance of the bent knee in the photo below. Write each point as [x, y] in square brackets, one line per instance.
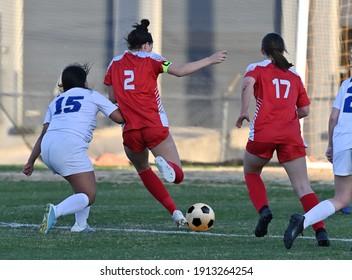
[91, 197]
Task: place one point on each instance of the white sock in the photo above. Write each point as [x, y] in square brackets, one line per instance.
[318, 213]
[72, 204]
[82, 216]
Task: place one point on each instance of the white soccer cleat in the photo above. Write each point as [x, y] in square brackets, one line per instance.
[165, 169]
[179, 219]
[77, 228]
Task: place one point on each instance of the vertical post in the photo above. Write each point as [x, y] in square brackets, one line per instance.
[153, 10]
[110, 32]
[302, 40]
[18, 59]
[12, 56]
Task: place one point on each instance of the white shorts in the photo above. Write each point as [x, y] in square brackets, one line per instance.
[342, 163]
[65, 153]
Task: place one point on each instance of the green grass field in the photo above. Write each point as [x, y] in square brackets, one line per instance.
[131, 225]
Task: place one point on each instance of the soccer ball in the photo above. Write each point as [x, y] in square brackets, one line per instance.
[200, 217]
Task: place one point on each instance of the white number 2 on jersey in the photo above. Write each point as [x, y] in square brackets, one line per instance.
[277, 84]
[129, 78]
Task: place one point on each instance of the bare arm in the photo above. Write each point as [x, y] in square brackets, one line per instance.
[331, 126]
[303, 112]
[112, 97]
[190, 67]
[117, 117]
[247, 92]
[29, 166]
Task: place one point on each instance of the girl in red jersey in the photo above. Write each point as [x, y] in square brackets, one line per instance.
[281, 100]
[132, 80]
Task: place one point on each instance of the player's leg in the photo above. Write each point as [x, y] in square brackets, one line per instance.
[342, 167]
[297, 172]
[84, 187]
[168, 160]
[84, 183]
[153, 183]
[252, 166]
[72, 162]
[326, 208]
[81, 224]
[343, 196]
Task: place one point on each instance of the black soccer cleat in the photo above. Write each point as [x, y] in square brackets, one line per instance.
[265, 218]
[295, 227]
[322, 238]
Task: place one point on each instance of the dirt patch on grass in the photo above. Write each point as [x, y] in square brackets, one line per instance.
[128, 174]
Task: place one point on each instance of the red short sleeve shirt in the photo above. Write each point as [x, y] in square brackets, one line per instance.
[133, 76]
[278, 94]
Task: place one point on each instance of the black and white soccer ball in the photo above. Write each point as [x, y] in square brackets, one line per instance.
[200, 217]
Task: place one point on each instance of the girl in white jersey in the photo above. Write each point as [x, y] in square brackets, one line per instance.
[67, 130]
[132, 80]
[339, 153]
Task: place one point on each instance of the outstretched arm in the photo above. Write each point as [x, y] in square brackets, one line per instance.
[190, 67]
[29, 166]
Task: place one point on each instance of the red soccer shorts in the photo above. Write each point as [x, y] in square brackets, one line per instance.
[284, 152]
[149, 137]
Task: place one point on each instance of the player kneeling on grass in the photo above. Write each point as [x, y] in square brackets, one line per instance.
[67, 130]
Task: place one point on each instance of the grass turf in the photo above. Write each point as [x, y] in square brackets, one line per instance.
[131, 225]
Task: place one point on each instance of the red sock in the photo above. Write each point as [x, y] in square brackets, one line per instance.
[256, 190]
[178, 172]
[156, 187]
[308, 202]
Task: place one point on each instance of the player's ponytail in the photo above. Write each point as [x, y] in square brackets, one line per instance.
[273, 45]
[139, 35]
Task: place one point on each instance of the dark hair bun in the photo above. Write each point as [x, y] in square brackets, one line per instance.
[143, 26]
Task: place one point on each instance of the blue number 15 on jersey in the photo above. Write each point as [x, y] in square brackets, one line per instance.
[71, 105]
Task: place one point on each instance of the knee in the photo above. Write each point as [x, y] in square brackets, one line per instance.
[91, 197]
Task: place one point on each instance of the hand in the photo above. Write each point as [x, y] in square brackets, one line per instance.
[218, 57]
[240, 120]
[28, 169]
[329, 153]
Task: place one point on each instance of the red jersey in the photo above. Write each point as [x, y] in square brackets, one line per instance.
[278, 94]
[133, 76]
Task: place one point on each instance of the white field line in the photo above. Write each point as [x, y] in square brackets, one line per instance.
[18, 225]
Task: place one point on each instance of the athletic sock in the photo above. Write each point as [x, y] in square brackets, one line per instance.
[157, 189]
[178, 172]
[319, 213]
[72, 204]
[256, 191]
[82, 217]
[308, 201]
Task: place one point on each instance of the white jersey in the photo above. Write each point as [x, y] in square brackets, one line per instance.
[342, 137]
[75, 110]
